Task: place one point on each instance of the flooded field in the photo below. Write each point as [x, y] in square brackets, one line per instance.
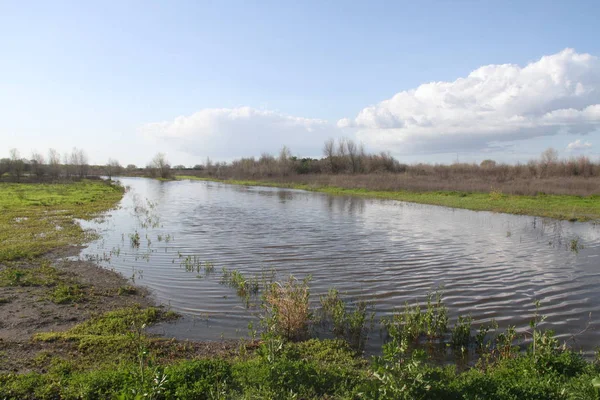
[176, 237]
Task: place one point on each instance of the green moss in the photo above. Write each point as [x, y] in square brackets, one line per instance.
[565, 207]
[37, 218]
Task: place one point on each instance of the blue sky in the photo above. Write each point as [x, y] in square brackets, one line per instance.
[245, 77]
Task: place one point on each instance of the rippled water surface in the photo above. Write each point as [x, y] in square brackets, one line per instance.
[490, 265]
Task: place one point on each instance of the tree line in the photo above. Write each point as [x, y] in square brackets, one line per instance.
[339, 157]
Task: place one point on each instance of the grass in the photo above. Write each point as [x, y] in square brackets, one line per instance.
[564, 207]
[38, 218]
[42, 274]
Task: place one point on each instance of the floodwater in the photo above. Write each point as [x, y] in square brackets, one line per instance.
[491, 266]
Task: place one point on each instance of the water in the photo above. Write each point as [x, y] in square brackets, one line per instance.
[388, 252]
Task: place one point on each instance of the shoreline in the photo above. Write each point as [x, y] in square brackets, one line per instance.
[561, 207]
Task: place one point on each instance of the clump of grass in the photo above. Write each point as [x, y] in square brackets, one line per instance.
[64, 294]
[209, 267]
[574, 245]
[126, 290]
[134, 239]
[287, 311]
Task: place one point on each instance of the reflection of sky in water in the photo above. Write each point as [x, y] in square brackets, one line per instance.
[491, 265]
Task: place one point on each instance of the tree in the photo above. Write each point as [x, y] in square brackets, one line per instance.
[131, 167]
[16, 164]
[67, 165]
[160, 167]
[53, 163]
[285, 161]
[329, 153]
[548, 160]
[37, 164]
[79, 160]
[4, 166]
[353, 155]
[488, 164]
[112, 168]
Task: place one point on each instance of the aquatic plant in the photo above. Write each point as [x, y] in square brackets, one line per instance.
[352, 320]
[134, 239]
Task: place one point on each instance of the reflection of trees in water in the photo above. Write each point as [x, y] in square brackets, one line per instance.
[156, 190]
[284, 195]
[549, 229]
[350, 205]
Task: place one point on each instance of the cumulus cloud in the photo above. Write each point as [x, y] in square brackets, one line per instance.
[557, 94]
[578, 145]
[243, 131]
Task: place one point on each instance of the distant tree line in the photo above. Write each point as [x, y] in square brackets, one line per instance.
[345, 157]
[340, 157]
[53, 166]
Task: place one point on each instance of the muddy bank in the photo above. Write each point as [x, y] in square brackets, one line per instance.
[29, 305]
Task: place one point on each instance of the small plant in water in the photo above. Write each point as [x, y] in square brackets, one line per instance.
[134, 238]
[575, 246]
[461, 333]
[351, 322]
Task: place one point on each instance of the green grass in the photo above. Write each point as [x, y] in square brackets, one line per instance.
[37, 218]
[565, 207]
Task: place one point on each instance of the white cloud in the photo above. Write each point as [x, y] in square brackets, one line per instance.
[243, 131]
[557, 94]
[578, 145]
[491, 107]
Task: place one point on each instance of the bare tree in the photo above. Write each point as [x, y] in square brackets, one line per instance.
[82, 162]
[353, 156]
[285, 161]
[209, 166]
[112, 168]
[53, 163]
[329, 153]
[16, 164]
[548, 161]
[160, 167]
[37, 164]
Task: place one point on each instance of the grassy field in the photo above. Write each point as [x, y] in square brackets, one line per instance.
[573, 208]
[37, 218]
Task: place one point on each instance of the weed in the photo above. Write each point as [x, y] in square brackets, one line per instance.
[134, 239]
[575, 246]
[64, 294]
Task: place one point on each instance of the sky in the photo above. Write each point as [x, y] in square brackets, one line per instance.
[428, 81]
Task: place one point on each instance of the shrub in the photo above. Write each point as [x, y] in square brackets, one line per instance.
[287, 310]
